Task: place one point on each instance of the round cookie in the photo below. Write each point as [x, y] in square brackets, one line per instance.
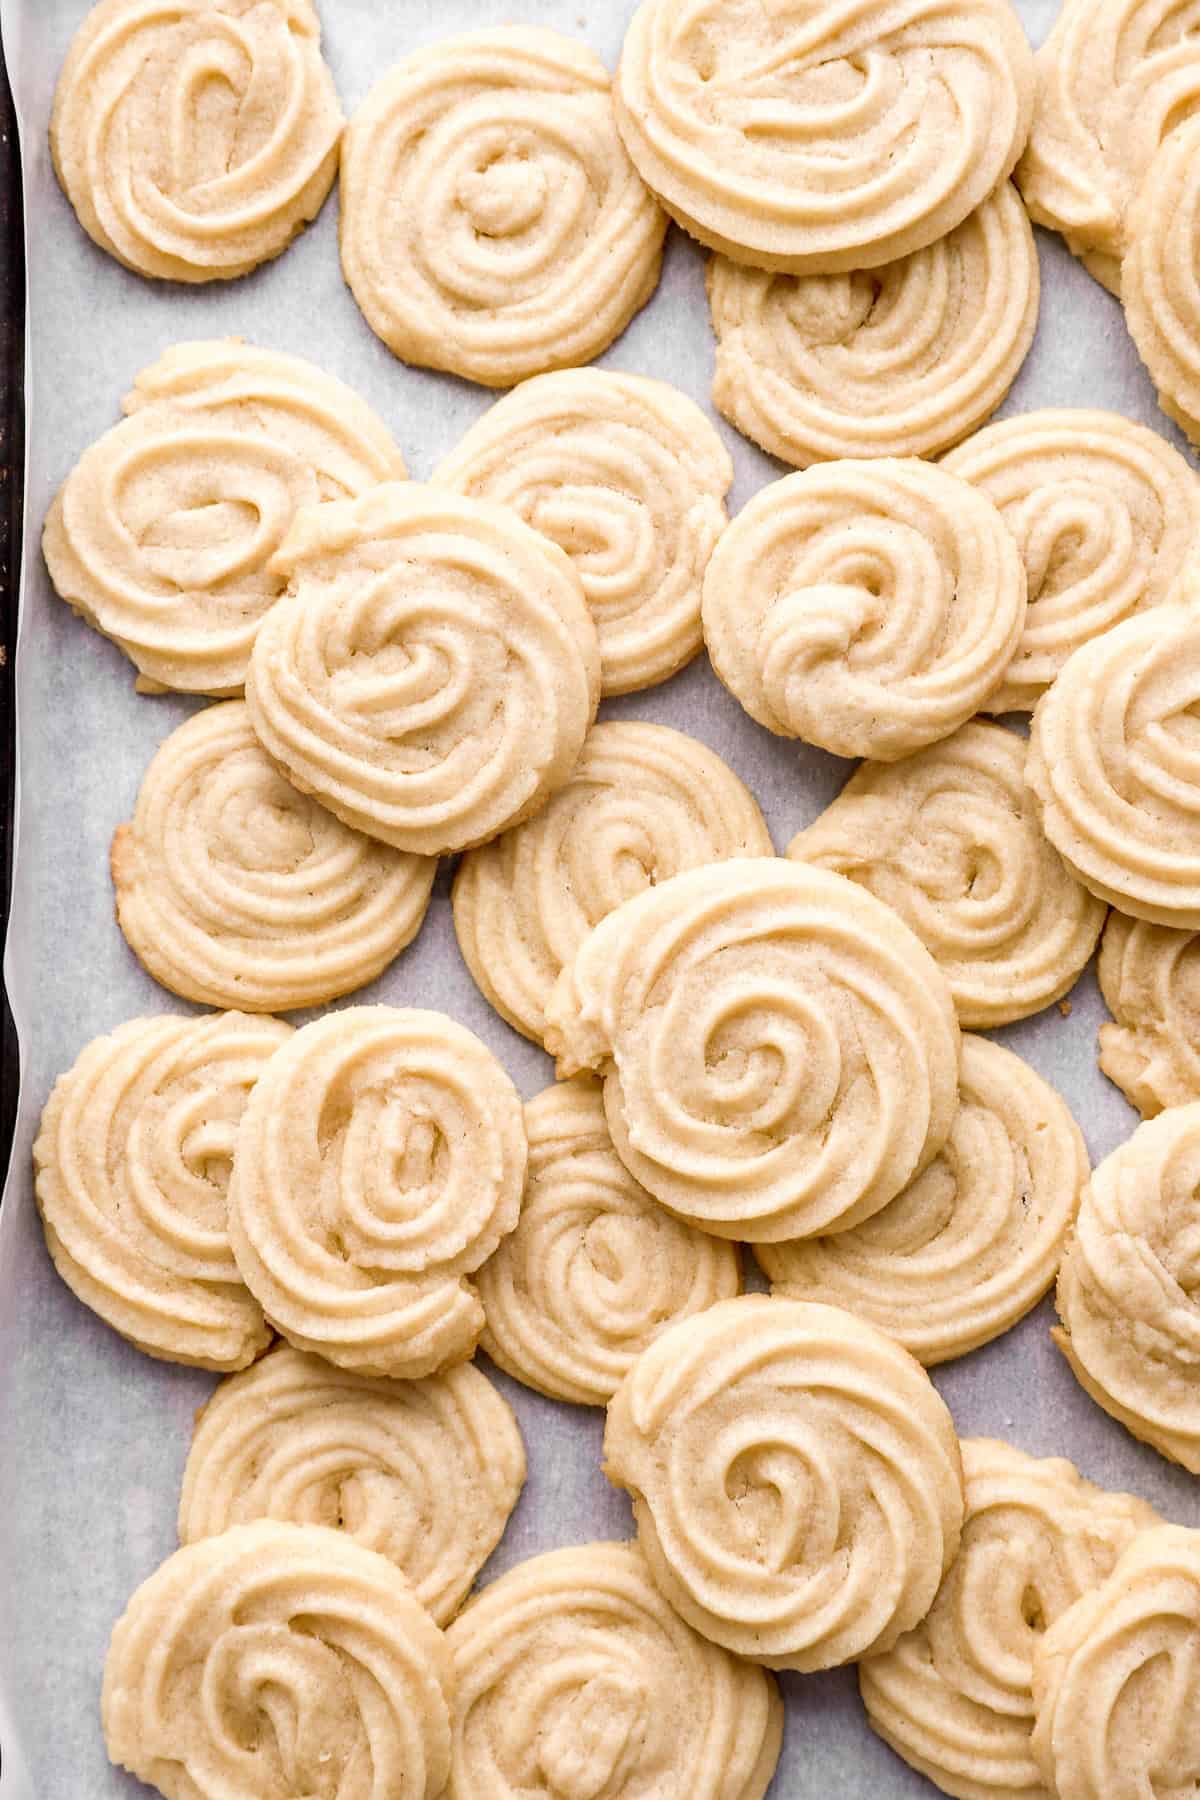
[781, 1055]
[278, 1660]
[424, 1472]
[950, 840]
[954, 1697]
[492, 223]
[436, 669]
[976, 1240]
[194, 141]
[133, 1159]
[1150, 978]
[1107, 516]
[1114, 766]
[629, 478]
[1158, 275]
[644, 803]
[795, 1477]
[1127, 1287]
[235, 889]
[595, 1269]
[837, 137]
[379, 1165]
[870, 608]
[570, 1671]
[902, 360]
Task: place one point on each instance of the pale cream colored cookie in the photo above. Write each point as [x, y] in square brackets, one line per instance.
[950, 840]
[781, 1055]
[827, 137]
[868, 607]
[235, 889]
[976, 1240]
[434, 672]
[595, 1269]
[425, 1472]
[644, 803]
[1159, 274]
[279, 1660]
[492, 223]
[195, 139]
[133, 1159]
[1114, 766]
[378, 1166]
[1150, 979]
[902, 360]
[629, 477]
[954, 1697]
[795, 1478]
[1107, 515]
[575, 1678]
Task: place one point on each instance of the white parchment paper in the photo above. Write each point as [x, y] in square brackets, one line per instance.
[93, 1435]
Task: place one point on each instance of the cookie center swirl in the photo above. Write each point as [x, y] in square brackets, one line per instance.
[592, 1729]
[505, 197]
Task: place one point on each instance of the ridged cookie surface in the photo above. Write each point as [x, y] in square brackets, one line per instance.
[1150, 978]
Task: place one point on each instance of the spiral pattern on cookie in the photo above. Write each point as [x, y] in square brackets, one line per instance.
[629, 478]
[902, 360]
[1114, 766]
[279, 1660]
[1107, 517]
[569, 1672]
[1159, 282]
[643, 803]
[795, 1478]
[825, 138]
[424, 1472]
[235, 889]
[975, 1241]
[595, 1269]
[378, 1167]
[954, 1697]
[195, 138]
[868, 608]
[435, 670]
[950, 840]
[492, 222]
[1150, 978]
[133, 1160]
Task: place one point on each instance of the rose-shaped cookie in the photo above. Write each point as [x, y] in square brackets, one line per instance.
[196, 138]
[795, 1478]
[492, 222]
[434, 671]
[1150, 979]
[1158, 275]
[382, 1163]
[950, 840]
[780, 1053]
[644, 802]
[870, 608]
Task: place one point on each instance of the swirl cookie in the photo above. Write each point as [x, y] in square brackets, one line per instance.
[425, 1472]
[595, 1269]
[569, 1671]
[162, 533]
[379, 1165]
[1107, 517]
[1158, 275]
[795, 1478]
[643, 803]
[812, 140]
[195, 139]
[902, 360]
[436, 669]
[976, 1240]
[278, 1660]
[780, 1053]
[1114, 767]
[629, 478]
[950, 840]
[1150, 979]
[954, 1697]
[235, 889]
[492, 222]
[870, 608]
[133, 1159]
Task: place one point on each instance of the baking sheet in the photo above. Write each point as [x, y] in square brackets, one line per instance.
[93, 1435]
